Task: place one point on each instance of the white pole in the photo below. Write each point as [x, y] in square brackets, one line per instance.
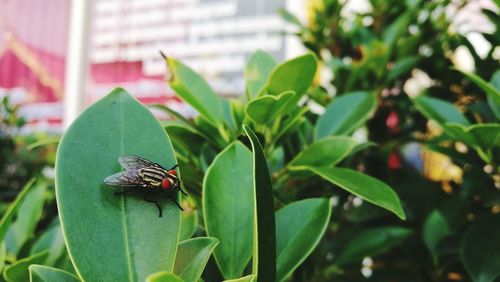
[76, 67]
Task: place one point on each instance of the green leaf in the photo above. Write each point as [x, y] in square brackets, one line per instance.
[264, 242]
[42, 273]
[195, 91]
[265, 109]
[299, 228]
[294, 75]
[248, 278]
[371, 242]
[487, 134]
[189, 222]
[345, 114]
[228, 208]
[52, 240]
[434, 230]
[3, 255]
[493, 93]
[28, 215]
[325, 152]
[18, 271]
[12, 209]
[398, 27]
[124, 230]
[163, 276]
[192, 256]
[480, 249]
[366, 187]
[402, 67]
[257, 71]
[289, 17]
[439, 110]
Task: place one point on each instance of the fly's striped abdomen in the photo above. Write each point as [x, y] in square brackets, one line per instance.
[153, 176]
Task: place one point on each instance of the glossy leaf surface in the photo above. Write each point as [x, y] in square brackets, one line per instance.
[192, 256]
[228, 208]
[124, 230]
[18, 271]
[265, 109]
[42, 273]
[257, 71]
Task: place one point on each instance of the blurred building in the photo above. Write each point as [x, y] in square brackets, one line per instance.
[121, 44]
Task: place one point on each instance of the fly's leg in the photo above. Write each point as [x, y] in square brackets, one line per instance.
[174, 167]
[153, 201]
[172, 198]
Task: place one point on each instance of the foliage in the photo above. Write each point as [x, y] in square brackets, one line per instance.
[436, 127]
[279, 191]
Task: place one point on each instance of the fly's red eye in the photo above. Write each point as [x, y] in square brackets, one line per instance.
[173, 172]
[165, 184]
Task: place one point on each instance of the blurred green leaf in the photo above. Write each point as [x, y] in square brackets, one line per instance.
[493, 94]
[163, 276]
[124, 230]
[12, 209]
[299, 228]
[289, 17]
[487, 134]
[402, 67]
[3, 255]
[264, 235]
[192, 256]
[195, 91]
[434, 230]
[326, 152]
[42, 273]
[480, 249]
[248, 278]
[257, 71]
[28, 215]
[228, 208]
[345, 114]
[439, 110]
[18, 271]
[364, 186]
[52, 240]
[294, 75]
[189, 222]
[371, 242]
[265, 109]
[398, 27]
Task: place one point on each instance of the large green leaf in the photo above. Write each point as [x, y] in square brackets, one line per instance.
[42, 273]
[492, 92]
[480, 249]
[294, 75]
[265, 109]
[325, 152]
[124, 230]
[435, 228]
[193, 89]
[192, 256]
[299, 228]
[345, 114]
[264, 241]
[257, 71]
[28, 215]
[18, 271]
[163, 276]
[439, 110]
[366, 187]
[402, 67]
[228, 208]
[372, 242]
[12, 209]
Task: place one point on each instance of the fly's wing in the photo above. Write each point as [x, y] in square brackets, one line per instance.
[131, 162]
[128, 178]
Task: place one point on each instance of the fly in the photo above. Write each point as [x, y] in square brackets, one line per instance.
[148, 175]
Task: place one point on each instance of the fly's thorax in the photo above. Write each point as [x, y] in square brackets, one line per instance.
[153, 176]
